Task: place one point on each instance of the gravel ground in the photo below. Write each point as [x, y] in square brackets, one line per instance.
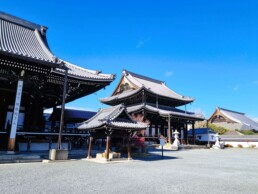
[191, 171]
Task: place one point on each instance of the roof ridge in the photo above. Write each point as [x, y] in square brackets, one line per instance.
[230, 111]
[20, 21]
[143, 77]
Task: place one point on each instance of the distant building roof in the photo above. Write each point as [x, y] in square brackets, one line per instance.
[23, 39]
[139, 82]
[199, 131]
[237, 117]
[72, 115]
[114, 117]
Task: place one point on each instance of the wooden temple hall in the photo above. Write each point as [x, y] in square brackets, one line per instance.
[150, 101]
[32, 79]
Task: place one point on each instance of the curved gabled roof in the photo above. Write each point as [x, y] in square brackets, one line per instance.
[236, 117]
[110, 117]
[239, 118]
[153, 86]
[27, 40]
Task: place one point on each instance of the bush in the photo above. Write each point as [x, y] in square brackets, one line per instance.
[252, 146]
[240, 146]
[217, 129]
[228, 146]
[248, 132]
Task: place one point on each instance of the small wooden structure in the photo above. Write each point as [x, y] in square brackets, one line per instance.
[111, 122]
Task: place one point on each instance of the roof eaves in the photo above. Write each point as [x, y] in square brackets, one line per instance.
[20, 21]
[27, 58]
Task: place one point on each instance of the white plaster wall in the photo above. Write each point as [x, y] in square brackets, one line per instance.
[40, 146]
[244, 144]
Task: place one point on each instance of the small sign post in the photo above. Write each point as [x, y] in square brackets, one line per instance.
[162, 143]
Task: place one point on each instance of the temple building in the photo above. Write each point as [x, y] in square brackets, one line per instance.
[151, 101]
[232, 120]
[32, 79]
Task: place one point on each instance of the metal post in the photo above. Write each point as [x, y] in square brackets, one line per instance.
[59, 144]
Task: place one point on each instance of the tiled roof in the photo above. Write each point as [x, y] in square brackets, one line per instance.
[78, 72]
[111, 117]
[122, 95]
[23, 41]
[154, 86]
[199, 131]
[165, 111]
[22, 38]
[72, 114]
[239, 118]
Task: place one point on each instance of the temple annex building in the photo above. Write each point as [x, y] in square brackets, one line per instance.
[232, 120]
[32, 79]
[150, 101]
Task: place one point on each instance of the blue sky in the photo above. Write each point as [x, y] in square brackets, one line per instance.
[204, 49]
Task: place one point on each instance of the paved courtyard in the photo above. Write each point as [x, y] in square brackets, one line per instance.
[190, 171]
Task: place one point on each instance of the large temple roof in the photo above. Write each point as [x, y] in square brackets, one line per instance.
[25, 40]
[113, 117]
[136, 83]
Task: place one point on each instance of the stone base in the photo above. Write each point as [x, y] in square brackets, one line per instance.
[10, 152]
[216, 147]
[55, 154]
[174, 148]
[112, 155]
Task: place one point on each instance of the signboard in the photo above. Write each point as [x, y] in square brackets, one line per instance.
[162, 142]
[16, 109]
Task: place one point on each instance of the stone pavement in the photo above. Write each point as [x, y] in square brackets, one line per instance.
[189, 171]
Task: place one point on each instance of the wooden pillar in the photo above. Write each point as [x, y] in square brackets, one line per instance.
[59, 142]
[107, 147]
[169, 130]
[53, 121]
[129, 148]
[16, 111]
[186, 134]
[193, 132]
[90, 148]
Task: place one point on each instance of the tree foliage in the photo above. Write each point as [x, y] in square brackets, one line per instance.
[217, 129]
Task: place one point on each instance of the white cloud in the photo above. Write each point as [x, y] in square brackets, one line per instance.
[140, 43]
[236, 87]
[255, 82]
[168, 73]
